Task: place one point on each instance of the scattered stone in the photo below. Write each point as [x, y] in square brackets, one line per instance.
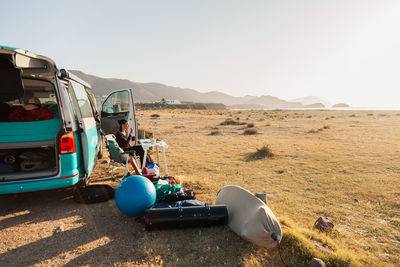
[323, 224]
[355, 200]
[59, 229]
[315, 262]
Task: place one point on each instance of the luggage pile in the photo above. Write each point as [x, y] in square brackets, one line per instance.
[26, 160]
[177, 207]
[163, 204]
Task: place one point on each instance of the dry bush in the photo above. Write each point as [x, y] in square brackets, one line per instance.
[261, 153]
[232, 122]
[215, 132]
[314, 130]
[309, 116]
[154, 115]
[307, 244]
[353, 115]
[250, 125]
[325, 127]
[250, 131]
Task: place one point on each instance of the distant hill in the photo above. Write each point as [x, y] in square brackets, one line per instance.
[157, 91]
[309, 100]
[315, 105]
[341, 105]
[154, 91]
[273, 102]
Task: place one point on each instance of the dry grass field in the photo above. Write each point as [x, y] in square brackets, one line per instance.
[344, 165]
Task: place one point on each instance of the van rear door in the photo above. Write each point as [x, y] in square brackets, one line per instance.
[17, 63]
[118, 105]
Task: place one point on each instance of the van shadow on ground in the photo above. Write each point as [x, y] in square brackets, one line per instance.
[103, 235]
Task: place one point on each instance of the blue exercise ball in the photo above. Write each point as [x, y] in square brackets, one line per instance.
[134, 195]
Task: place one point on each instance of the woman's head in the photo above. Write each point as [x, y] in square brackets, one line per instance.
[123, 125]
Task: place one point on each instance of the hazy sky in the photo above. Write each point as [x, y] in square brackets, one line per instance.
[342, 51]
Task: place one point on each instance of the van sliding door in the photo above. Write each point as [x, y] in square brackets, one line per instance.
[88, 130]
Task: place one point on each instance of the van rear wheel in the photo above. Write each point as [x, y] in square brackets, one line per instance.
[82, 183]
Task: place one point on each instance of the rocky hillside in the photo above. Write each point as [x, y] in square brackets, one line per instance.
[157, 91]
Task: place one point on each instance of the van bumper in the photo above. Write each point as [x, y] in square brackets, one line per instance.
[68, 179]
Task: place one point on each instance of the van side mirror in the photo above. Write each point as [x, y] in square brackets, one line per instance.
[63, 74]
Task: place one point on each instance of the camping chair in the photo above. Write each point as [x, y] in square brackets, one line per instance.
[118, 158]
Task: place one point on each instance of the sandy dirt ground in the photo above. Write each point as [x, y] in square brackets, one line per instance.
[344, 165]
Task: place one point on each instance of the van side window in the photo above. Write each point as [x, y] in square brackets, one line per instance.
[67, 91]
[83, 101]
[93, 103]
[117, 102]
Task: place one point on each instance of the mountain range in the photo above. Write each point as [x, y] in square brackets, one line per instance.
[157, 91]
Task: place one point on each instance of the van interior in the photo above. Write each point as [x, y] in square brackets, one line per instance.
[29, 124]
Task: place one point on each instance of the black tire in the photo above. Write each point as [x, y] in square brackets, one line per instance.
[93, 194]
[82, 183]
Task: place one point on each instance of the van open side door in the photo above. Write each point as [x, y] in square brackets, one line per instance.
[89, 138]
[118, 105]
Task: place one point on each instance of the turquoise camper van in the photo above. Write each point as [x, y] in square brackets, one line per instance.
[50, 129]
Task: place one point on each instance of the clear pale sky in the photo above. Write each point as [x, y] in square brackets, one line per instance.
[342, 51]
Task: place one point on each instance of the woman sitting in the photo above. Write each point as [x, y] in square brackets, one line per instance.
[123, 139]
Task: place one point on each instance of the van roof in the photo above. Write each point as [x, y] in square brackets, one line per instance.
[8, 47]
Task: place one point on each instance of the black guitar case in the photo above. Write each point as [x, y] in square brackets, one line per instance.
[180, 217]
